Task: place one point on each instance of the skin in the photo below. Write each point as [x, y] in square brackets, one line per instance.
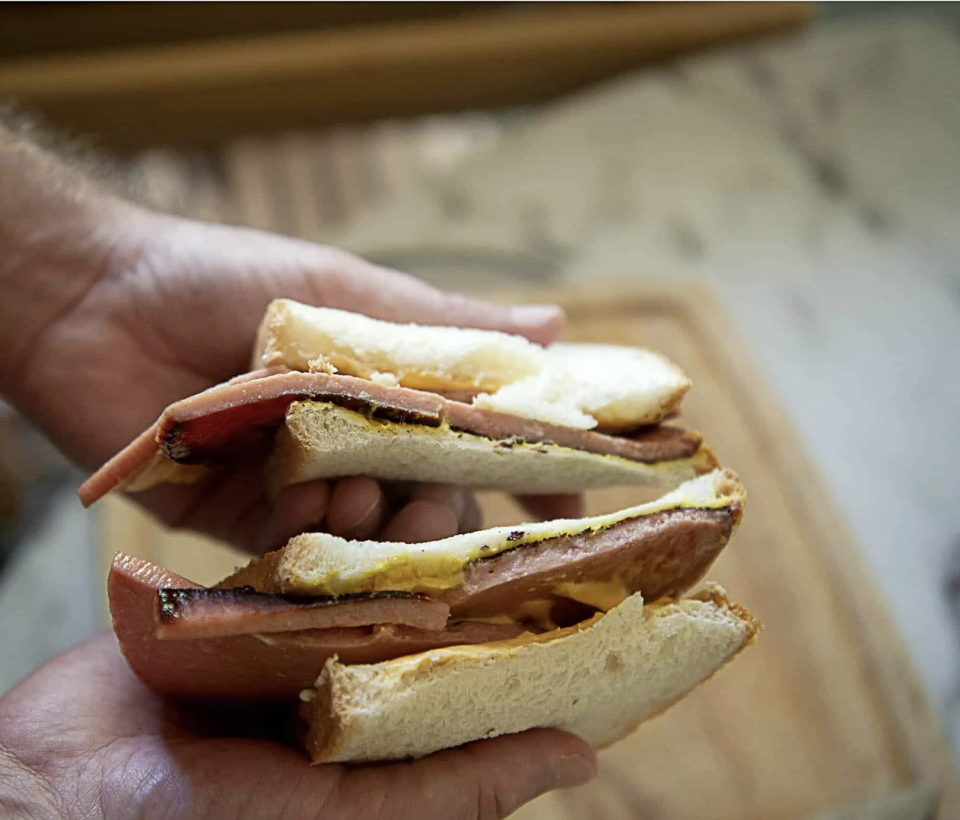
[109, 312]
[135, 755]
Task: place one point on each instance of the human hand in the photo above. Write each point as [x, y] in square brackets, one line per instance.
[83, 738]
[172, 309]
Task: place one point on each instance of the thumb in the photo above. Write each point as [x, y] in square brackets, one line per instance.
[351, 283]
[486, 780]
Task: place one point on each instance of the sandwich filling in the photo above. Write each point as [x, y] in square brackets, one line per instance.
[265, 632]
[238, 421]
[497, 392]
[540, 575]
[239, 658]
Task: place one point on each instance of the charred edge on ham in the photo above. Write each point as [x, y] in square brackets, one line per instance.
[376, 411]
[173, 444]
[516, 535]
[173, 600]
[540, 445]
[175, 436]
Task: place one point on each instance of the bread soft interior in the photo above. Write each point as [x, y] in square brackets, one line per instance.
[599, 680]
[576, 385]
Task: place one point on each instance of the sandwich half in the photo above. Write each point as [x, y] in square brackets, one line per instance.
[339, 394]
[599, 679]
[366, 634]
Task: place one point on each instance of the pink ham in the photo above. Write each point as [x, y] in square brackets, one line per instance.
[188, 614]
[237, 420]
[268, 667]
[659, 555]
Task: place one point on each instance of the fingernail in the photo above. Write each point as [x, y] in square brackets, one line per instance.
[573, 770]
[369, 521]
[457, 503]
[535, 315]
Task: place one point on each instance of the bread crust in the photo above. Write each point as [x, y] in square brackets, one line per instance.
[652, 658]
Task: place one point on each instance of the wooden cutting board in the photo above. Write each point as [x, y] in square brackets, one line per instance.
[824, 708]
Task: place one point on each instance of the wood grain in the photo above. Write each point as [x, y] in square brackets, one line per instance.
[825, 707]
[195, 92]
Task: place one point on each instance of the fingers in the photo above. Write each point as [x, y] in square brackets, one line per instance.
[421, 521]
[297, 509]
[454, 498]
[360, 509]
[513, 770]
[460, 501]
[357, 508]
[235, 508]
[348, 282]
[548, 507]
[487, 780]
[472, 518]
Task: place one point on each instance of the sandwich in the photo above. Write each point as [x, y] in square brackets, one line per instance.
[392, 650]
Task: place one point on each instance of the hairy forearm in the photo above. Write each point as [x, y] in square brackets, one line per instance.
[58, 228]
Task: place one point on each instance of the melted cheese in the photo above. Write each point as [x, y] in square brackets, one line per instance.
[602, 595]
[520, 640]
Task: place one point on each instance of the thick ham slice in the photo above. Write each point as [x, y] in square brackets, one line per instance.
[660, 555]
[269, 667]
[238, 419]
[188, 614]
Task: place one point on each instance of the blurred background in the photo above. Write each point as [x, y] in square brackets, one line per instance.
[768, 192]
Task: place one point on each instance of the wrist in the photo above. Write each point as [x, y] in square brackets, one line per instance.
[59, 235]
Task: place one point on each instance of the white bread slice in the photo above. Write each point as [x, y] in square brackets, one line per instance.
[591, 385]
[323, 440]
[418, 356]
[318, 563]
[599, 680]
[576, 385]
